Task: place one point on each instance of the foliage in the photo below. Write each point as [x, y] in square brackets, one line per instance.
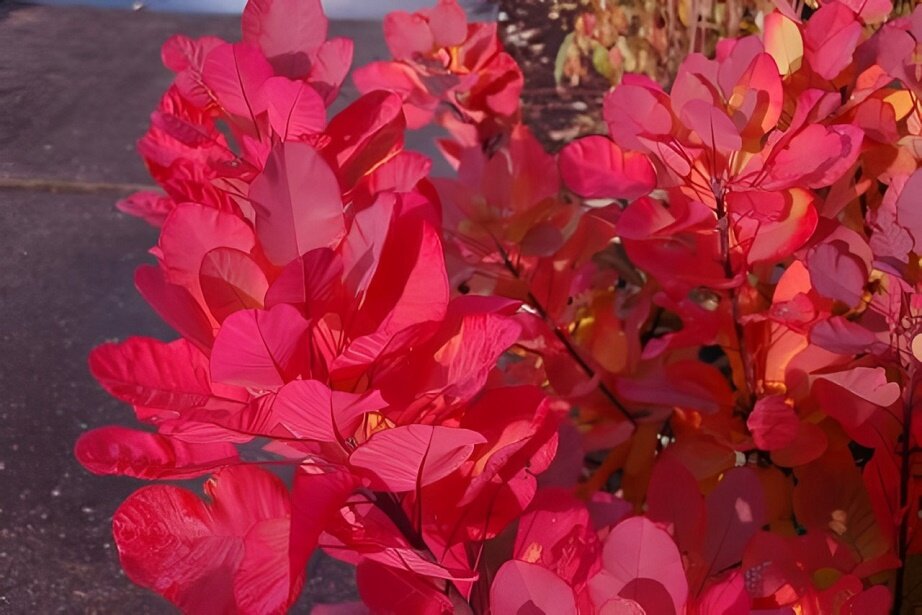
[611, 37]
[673, 369]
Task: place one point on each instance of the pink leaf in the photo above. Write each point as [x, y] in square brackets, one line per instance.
[309, 409]
[595, 167]
[181, 53]
[412, 456]
[521, 587]
[815, 157]
[231, 281]
[448, 23]
[837, 273]
[407, 35]
[152, 207]
[729, 597]
[204, 557]
[235, 74]
[712, 126]
[151, 373]
[830, 37]
[868, 383]
[260, 348]
[191, 232]
[298, 203]
[140, 454]
[295, 108]
[907, 209]
[312, 281]
[635, 113]
[331, 67]
[773, 423]
[638, 549]
[288, 32]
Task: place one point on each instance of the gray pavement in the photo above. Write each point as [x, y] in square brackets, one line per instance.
[76, 88]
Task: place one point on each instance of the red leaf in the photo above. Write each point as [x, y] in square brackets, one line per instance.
[673, 499]
[410, 284]
[387, 590]
[140, 454]
[520, 587]
[365, 134]
[876, 600]
[220, 557]
[298, 204]
[735, 512]
[315, 501]
[412, 456]
[462, 364]
[557, 533]
[595, 167]
[771, 226]
[830, 497]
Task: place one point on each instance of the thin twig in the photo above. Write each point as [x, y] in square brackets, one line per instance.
[565, 340]
[723, 227]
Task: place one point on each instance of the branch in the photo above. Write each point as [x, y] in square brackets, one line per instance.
[905, 469]
[564, 339]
